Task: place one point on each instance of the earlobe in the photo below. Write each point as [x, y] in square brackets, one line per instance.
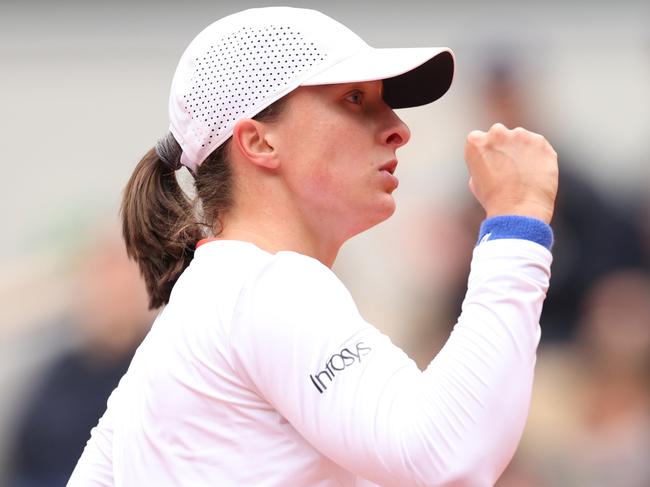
[250, 137]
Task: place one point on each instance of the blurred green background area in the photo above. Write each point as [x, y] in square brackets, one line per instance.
[84, 89]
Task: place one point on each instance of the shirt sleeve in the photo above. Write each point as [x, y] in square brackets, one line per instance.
[300, 342]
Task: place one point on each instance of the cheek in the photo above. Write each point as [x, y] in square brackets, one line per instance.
[336, 171]
[328, 156]
[322, 183]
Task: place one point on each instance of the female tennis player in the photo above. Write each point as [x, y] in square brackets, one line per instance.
[259, 370]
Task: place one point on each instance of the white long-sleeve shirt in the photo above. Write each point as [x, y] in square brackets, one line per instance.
[261, 372]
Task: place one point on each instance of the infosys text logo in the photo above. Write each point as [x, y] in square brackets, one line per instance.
[338, 362]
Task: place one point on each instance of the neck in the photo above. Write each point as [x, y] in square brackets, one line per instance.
[268, 213]
[274, 231]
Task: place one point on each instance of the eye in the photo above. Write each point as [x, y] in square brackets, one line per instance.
[355, 97]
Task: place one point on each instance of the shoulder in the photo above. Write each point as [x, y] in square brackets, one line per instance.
[293, 295]
[297, 279]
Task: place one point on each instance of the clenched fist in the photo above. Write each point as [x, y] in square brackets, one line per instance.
[512, 172]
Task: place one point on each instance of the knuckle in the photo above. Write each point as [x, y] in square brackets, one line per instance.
[475, 137]
[497, 133]
[548, 148]
[498, 130]
[498, 127]
[540, 139]
[521, 133]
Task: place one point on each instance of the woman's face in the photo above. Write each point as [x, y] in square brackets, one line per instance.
[336, 145]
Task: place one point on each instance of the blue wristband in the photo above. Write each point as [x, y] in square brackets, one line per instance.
[517, 227]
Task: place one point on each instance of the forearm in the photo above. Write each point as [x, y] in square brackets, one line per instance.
[472, 400]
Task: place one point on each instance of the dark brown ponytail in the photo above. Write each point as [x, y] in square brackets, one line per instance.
[160, 223]
[158, 226]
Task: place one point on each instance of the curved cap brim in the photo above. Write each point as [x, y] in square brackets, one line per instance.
[412, 76]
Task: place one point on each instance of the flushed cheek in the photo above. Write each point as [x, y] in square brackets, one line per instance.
[327, 185]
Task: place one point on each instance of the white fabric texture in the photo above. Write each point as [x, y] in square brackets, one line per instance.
[261, 372]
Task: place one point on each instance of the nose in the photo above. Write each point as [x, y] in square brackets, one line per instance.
[396, 133]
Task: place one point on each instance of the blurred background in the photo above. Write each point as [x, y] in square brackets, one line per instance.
[84, 95]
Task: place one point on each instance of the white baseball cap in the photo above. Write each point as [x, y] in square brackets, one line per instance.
[242, 63]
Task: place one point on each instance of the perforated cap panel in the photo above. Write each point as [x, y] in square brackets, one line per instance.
[234, 77]
[239, 65]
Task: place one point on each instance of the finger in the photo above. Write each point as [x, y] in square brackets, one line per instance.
[476, 136]
[498, 127]
[475, 139]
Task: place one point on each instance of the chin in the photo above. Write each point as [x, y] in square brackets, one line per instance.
[376, 215]
[389, 209]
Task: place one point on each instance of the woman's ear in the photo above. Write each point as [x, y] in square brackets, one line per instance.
[251, 139]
